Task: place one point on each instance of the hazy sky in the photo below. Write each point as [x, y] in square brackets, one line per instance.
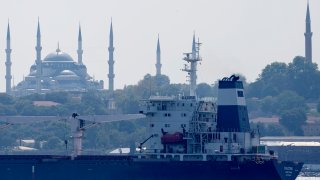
[238, 36]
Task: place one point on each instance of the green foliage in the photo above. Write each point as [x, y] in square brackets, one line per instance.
[93, 103]
[59, 97]
[284, 101]
[7, 110]
[6, 99]
[253, 104]
[204, 90]
[299, 76]
[293, 119]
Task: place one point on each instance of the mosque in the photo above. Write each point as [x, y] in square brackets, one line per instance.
[57, 72]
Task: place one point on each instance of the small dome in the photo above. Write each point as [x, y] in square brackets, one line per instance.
[58, 56]
[67, 73]
[33, 73]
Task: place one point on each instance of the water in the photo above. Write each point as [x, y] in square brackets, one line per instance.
[310, 172]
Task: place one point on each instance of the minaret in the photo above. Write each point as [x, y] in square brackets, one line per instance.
[38, 60]
[8, 62]
[111, 60]
[80, 51]
[308, 37]
[158, 64]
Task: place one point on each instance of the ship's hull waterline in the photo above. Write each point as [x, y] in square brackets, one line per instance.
[131, 167]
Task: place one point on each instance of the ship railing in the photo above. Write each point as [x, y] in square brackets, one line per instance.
[206, 157]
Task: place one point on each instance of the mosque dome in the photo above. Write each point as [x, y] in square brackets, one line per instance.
[67, 75]
[58, 56]
[33, 73]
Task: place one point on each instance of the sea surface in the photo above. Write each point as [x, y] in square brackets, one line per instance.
[310, 172]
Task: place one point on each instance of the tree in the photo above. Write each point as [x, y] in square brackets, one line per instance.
[268, 104]
[304, 77]
[204, 90]
[60, 97]
[288, 100]
[293, 120]
[93, 103]
[7, 110]
[6, 99]
[272, 80]
[54, 143]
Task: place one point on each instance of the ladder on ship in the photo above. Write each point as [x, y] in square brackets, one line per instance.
[200, 130]
[196, 144]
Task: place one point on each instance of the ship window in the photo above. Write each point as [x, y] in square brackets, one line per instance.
[191, 104]
[165, 114]
[169, 114]
[164, 107]
[151, 125]
[240, 93]
[182, 104]
[167, 125]
[152, 114]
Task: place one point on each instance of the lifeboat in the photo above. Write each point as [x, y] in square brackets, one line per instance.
[176, 137]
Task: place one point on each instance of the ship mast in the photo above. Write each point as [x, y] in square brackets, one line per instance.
[192, 59]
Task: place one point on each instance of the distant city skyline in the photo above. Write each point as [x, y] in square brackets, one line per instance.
[238, 37]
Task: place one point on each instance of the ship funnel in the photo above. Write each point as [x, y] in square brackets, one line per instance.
[232, 109]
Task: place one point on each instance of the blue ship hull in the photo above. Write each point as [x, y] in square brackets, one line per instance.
[14, 167]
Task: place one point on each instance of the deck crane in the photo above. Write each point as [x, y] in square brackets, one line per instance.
[78, 124]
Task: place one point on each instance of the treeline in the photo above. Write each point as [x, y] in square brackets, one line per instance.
[299, 76]
[285, 90]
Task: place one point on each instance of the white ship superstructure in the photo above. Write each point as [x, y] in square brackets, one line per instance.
[187, 125]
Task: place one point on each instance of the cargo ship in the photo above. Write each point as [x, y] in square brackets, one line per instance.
[189, 138]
